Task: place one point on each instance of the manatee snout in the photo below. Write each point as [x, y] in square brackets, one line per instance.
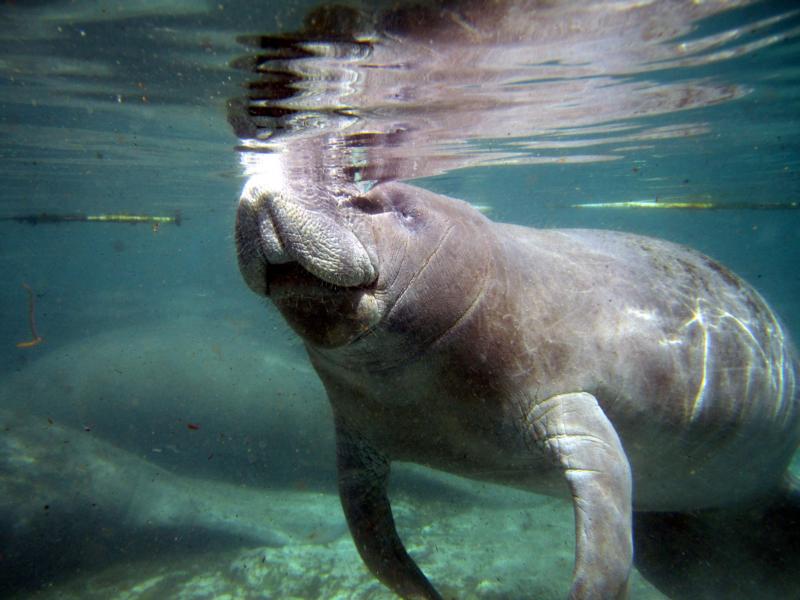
[272, 229]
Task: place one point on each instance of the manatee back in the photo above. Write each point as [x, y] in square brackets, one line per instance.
[687, 360]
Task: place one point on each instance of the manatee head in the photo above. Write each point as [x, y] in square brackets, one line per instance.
[398, 261]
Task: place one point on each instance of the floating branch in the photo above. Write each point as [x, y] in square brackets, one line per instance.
[694, 205]
[37, 339]
[39, 218]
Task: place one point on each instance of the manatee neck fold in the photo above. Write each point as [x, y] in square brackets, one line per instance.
[453, 299]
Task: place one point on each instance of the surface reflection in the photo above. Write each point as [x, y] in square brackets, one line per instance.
[415, 91]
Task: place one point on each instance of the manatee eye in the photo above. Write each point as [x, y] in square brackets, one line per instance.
[407, 216]
[406, 210]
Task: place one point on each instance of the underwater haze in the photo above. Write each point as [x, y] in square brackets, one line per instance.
[162, 433]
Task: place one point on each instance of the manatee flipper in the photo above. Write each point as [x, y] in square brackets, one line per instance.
[717, 553]
[576, 435]
[363, 475]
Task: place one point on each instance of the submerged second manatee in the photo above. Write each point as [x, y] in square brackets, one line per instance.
[637, 377]
[71, 502]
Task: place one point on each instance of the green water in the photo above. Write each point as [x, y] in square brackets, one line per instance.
[150, 341]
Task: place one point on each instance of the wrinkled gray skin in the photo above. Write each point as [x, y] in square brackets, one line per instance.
[623, 372]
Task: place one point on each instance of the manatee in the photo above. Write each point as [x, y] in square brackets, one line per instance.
[70, 500]
[639, 379]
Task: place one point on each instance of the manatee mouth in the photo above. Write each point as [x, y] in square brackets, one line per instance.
[324, 314]
[279, 279]
[273, 231]
[291, 279]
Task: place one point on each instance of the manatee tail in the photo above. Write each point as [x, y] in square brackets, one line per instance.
[710, 554]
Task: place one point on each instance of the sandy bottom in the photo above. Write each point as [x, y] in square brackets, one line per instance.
[480, 542]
